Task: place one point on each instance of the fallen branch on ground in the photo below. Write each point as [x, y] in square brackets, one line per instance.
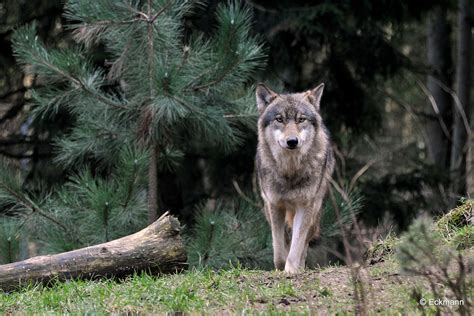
[157, 248]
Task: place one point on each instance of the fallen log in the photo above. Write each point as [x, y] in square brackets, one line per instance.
[157, 248]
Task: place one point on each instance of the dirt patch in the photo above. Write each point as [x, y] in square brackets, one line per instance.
[330, 290]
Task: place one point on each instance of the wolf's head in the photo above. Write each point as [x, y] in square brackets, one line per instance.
[289, 120]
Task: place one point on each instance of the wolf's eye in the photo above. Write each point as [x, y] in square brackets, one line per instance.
[301, 119]
[279, 119]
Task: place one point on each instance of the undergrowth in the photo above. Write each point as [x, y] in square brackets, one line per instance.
[236, 232]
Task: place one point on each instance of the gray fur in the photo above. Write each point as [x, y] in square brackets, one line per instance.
[293, 182]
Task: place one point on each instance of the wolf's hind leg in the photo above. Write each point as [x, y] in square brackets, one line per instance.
[280, 247]
[310, 235]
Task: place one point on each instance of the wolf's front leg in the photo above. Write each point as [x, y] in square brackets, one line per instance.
[280, 247]
[302, 228]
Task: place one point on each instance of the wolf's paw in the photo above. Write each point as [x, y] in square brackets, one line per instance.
[291, 268]
[291, 271]
[280, 265]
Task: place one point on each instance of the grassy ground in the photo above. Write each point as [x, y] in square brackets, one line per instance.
[239, 291]
[231, 291]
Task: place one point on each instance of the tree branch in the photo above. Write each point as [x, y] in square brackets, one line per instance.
[163, 9]
[79, 82]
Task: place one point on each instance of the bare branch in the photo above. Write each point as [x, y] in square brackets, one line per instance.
[243, 196]
[435, 107]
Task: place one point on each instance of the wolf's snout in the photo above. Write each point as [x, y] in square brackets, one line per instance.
[292, 142]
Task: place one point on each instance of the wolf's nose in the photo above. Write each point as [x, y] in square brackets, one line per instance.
[292, 142]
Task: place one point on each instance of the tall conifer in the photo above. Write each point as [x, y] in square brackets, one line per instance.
[167, 90]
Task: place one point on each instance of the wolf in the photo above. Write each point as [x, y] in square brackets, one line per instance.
[294, 165]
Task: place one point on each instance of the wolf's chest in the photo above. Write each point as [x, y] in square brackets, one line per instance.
[279, 186]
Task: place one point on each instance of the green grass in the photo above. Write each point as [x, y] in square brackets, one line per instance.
[234, 291]
[237, 290]
[206, 290]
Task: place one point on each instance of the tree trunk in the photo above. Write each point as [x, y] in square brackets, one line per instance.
[153, 186]
[462, 111]
[439, 61]
[158, 248]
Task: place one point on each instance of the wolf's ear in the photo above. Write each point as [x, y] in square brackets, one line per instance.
[264, 97]
[314, 95]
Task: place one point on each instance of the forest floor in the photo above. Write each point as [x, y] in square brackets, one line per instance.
[324, 291]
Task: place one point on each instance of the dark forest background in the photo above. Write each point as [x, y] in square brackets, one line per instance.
[398, 78]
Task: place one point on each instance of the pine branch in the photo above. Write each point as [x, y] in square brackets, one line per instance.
[84, 87]
[116, 67]
[163, 9]
[29, 204]
[114, 23]
[228, 68]
[189, 85]
[29, 50]
[190, 107]
[130, 187]
[220, 78]
[50, 218]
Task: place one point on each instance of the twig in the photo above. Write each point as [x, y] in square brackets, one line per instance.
[239, 115]
[243, 196]
[407, 106]
[458, 104]
[109, 22]
[163, 9]
[435, 107]
[359, 290]
[360, 173]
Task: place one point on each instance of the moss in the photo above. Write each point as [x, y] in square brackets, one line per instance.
[464, 237]
[457, 217]
[457, 223]
[456, 227]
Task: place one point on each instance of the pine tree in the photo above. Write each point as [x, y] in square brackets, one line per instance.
[167, 90]
[159, 95]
